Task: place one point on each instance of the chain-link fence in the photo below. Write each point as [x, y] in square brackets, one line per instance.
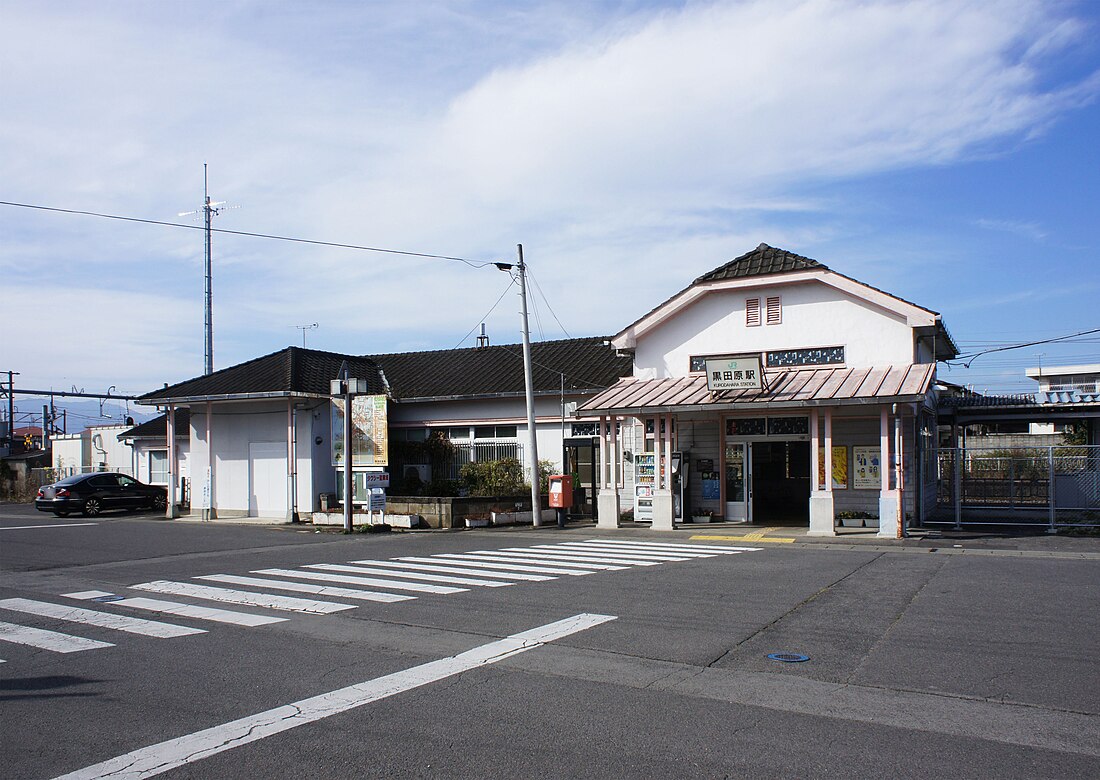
[1033, 486]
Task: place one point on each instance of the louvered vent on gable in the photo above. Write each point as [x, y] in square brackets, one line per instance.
[775, 310]
[752, 311]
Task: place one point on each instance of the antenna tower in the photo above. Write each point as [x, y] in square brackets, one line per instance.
[210, 209]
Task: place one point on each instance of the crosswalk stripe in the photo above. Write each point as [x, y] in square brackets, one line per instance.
[268, 600]
[91, 617]
[416, 587]
[192, 611]
[710, 548]
[564, 561]
[482, 567]
[516, 564]
[632, 550]
[408, 575]
[609, 561]
[53, 641]
[307, 587]
[435, 566]
[593, 548]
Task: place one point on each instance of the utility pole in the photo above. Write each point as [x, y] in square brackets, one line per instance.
[532, 438]
[11, 410]
[210, 209]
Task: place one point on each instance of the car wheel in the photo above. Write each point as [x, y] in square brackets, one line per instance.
[160, 502]
[92, 507]
[61, 512]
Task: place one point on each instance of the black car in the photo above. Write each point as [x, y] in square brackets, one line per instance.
[91, 494]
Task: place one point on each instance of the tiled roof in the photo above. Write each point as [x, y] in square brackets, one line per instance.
[157, 428]
[762, 261]
[291, 370]
[801, 387]
[588, 364]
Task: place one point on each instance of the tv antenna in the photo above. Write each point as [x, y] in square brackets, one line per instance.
[209, 210]
[304, 328]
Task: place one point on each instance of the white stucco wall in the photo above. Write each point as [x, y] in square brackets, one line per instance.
[813, 315]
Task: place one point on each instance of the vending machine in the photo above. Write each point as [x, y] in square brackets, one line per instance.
[679, 482]
[645, 482]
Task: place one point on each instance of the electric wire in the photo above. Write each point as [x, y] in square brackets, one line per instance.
[270, 236]
[966, 360]
[547, 302]
[511, 284]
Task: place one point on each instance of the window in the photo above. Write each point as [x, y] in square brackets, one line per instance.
[816, 356]
[409, 434]
[752, 312]
[460, 432]
[495, 432]
[775, 311]
[158, 467]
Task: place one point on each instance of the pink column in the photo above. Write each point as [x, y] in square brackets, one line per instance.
[884, 449]
[828, 450]
[815, 456]
[603, 451]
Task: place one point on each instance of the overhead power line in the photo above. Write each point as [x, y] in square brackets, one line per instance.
[270, 236]
[971, 358]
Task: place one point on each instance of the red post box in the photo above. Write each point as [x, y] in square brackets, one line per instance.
[561, 491]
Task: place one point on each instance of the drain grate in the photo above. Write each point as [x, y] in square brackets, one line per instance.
[108, 598]
[789, 658]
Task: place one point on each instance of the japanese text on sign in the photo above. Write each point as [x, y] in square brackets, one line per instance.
[733, 373]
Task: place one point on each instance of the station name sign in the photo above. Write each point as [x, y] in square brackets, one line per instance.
[741, 373]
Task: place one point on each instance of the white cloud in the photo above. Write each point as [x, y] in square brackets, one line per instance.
[662, 141]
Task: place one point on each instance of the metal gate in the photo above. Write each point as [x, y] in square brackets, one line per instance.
[1029, 486]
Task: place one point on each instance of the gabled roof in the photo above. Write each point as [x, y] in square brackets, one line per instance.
[754, 268]
[763, 261]
[291, 371]
[157, 428]
[589, 364]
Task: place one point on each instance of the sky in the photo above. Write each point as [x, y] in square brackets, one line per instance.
[945, 151]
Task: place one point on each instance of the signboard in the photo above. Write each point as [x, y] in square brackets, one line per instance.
[369, 427]
[376, 479]
[742, 373]
[377, 501]
[840, 467]
[711, 489]
[866, 474]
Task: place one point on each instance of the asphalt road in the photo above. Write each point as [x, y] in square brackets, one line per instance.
[919, 664]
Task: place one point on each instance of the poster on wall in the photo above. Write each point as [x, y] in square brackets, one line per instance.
[840, 467]
[369, 430]
[866, 474]
[711, 489]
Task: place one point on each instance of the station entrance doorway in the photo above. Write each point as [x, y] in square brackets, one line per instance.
[768, 482]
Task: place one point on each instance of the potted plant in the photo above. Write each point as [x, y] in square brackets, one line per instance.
[702, 515]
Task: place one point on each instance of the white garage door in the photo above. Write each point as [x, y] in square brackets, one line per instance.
[267, 479]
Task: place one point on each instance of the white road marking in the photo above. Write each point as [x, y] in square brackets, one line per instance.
[435, 566]
[489, 562]
[536, 558]
[173, 753]
[91, 617]
[47, 640]
[51, 525]
[183, 610]
[629, 555]
[610, 560]
[308, 587]
[416, 587]
[711, 548]
[635, 550]
[408, 575]
[270, 601]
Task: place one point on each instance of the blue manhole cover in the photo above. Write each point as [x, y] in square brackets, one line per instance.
[789, 658]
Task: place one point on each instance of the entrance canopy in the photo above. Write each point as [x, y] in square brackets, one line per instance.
[792, 389]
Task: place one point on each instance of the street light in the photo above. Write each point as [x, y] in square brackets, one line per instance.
[344, 385]
[532, 443]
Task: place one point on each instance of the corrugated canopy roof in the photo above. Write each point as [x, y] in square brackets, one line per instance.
[783, 389]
